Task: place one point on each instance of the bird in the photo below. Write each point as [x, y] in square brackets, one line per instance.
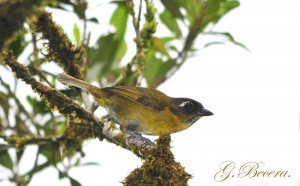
[141, 110]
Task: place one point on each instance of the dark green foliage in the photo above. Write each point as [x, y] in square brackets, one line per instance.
[5, 159]
[51, 152]
[198, 15]
[4, 103]
[13, 15]
[110, 48]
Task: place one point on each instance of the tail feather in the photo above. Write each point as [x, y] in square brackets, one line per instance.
[71, 81]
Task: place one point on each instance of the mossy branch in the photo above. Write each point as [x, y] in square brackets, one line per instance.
[60, 48]
[159, 168]
[88, 125]
[20, 141]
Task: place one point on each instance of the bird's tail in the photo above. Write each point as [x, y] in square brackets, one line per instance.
[71, 81]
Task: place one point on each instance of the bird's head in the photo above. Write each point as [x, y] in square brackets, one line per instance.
[188, 110]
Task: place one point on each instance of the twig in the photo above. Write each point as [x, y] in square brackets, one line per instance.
[139, 20]
[20, 141]
[11, 94]
[31, 173]
[189, 41]
[35, 55]
[142, 37]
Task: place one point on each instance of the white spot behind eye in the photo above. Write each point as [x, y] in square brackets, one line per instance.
[183, 103]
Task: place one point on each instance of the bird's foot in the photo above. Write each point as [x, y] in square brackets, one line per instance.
[138, 140]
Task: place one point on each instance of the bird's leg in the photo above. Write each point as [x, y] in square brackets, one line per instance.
[135, 138]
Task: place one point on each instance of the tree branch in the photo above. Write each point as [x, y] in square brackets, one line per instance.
[59, 47]
[160, 168]
[92, 126]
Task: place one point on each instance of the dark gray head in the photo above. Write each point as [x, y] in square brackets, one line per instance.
[188, 110]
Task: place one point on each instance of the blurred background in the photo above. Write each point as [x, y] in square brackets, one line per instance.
[254, 95]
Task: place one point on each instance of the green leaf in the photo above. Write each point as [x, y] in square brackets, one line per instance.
[68, 2]
[76, 33]
[18, 44]
[193, 8]
[4, 103]
[103, 56]
[21, 126]
[5, 160]
[212, 6]
[70, 147]
[94, 20]
[173, 48]
[74, 182]
[61, 127]
[171, 23]
[119, 20]
[230, 38]
[129, 80]
[110, 48]
[39, 106]
[90, 164]
[4, 147]
[121, 51]
[19, 154]
[155, 69]
[216, 9]
[80, 8]
[159, 45]
[61, 174]
[77, 163]
[51, 152]
[173, 7]
[227, 6]
[213, 43]
[39, 168]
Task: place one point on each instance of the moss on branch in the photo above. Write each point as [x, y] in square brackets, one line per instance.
[20, 141]
[159, 168]
[60, 49]
[86, 125]
[55, 99]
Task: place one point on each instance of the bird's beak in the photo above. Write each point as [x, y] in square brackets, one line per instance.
[205, 112]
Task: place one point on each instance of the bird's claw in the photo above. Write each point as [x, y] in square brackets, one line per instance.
[138, 140]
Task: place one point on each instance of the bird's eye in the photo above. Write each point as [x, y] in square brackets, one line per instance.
[187, 105]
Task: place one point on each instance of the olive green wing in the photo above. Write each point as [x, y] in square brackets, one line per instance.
[149, 98]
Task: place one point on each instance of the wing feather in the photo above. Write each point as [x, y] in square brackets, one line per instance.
[149, 98]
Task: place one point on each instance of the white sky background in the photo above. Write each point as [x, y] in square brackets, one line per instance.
[255, 98]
